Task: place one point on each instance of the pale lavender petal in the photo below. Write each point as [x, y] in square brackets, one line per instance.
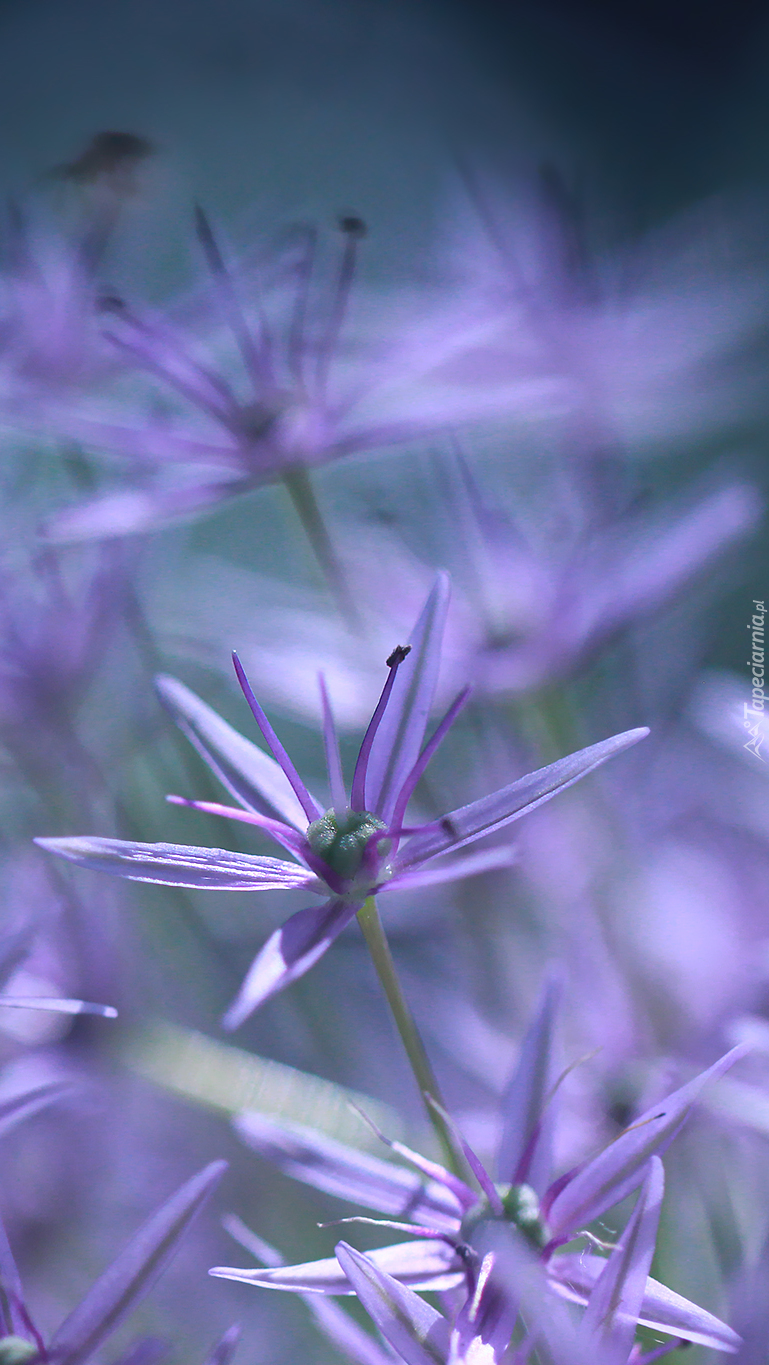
[251, 775]
[471, 822]
[617, 1170]
[573, 1275]
[329, 1165]
[521, 1276]
[288, 954]
[416, 1330]
[23, 1106]
[525, 1152]
[181, 864]
[426, 1265]
[132, 511]
[133, 1272]
[337, 1325]
[44, 1002]
[13, 950]
[615, 1303]
[471, 865]
[637, 568]
[398, 740]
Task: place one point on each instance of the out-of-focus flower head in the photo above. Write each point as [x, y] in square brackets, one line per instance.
[528, 609]
[361, 844]
[630, 347]
[57, 615]
[464, 1240]
[50, 328]
[114, 1293]
[273, 384]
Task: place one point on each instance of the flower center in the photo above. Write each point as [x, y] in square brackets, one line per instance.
[341, 840]
[520, 1207]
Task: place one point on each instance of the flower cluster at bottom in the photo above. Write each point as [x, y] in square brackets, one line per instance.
[496, 1253]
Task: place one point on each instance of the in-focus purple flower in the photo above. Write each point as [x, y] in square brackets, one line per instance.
[114, 1294]
[363, 843]
[457, 1232]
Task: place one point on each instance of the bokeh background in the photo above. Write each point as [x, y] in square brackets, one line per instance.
[566, 270]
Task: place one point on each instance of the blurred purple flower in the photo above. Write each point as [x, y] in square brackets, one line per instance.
[307, 399]
[56, 617]
[353, 849]
[626, 347]
[523, 615]
[457, 1230]
[113, 1295]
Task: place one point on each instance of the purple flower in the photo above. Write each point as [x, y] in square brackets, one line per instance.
[288, 395]
[362, 844]
[522, 615]
[113, 1295]
[486, 1247]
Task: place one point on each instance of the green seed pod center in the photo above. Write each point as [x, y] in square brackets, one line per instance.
[520, 1206]
[341, 840]
[15, 1350]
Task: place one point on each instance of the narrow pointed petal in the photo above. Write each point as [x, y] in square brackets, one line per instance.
[289, 838]
[130, 1276]
[252, 776]
[471, 865]
[617, 1170]
[335, 1324]
[436, 739]
[44, 1002]
[398, 740]
[510, 803]
[181, 864]
[609, 1324]
[426, 1265]
[417, 1332]
[331, 743]
[288, 954]
[525, 1152]
[307, 801]
[307, 1155]
[573, 1276]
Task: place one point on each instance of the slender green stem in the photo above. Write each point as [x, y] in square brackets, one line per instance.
[302, 495]
[379, 948]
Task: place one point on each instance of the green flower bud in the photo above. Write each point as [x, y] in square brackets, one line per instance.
[520, 1206]
[340, 840]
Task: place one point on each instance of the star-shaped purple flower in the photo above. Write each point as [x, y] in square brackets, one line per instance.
[363, 843]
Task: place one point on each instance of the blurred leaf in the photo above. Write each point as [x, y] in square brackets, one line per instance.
[232, 1080]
